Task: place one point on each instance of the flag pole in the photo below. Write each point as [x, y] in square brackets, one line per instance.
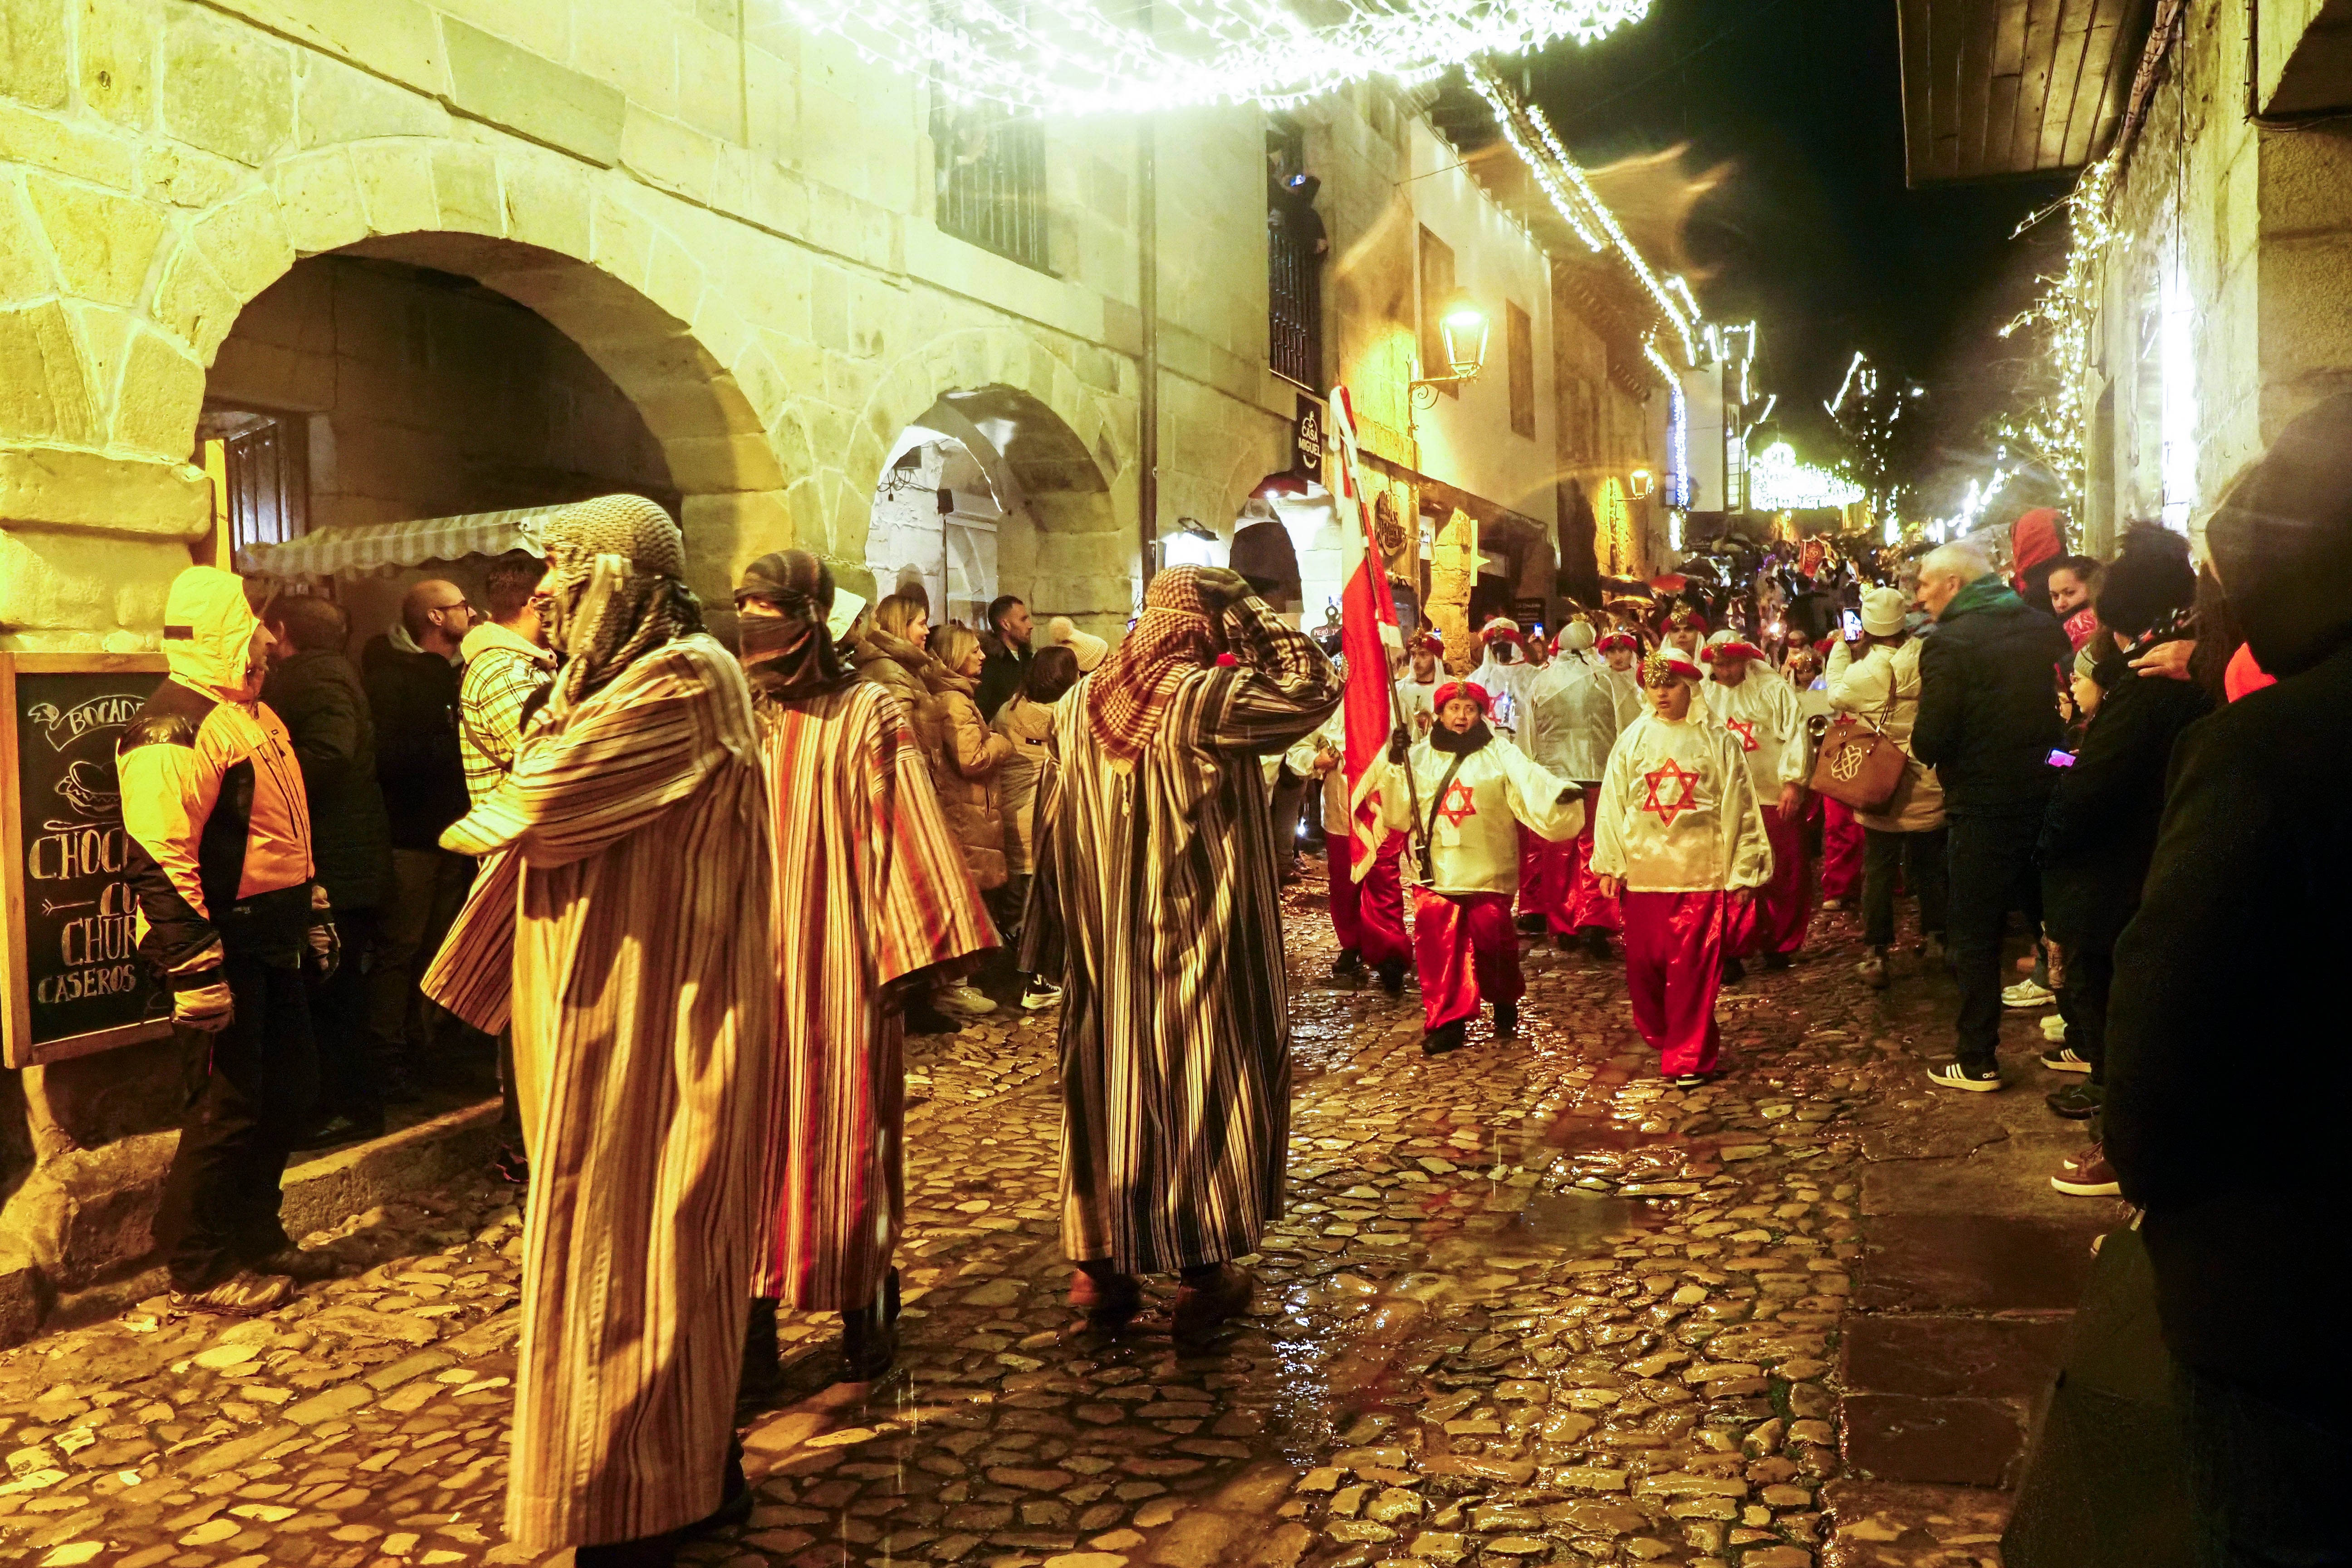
[1378, 563]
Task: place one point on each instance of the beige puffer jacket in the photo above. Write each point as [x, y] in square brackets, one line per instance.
[1029, 727]
[895, 665]
[966, 759]
[1882, 686]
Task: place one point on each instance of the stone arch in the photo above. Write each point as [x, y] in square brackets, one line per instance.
[1045, 439]
[596, 257]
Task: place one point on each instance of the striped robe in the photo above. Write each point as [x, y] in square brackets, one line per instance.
[1175, 1030]
[871, 888]
[643, 1001]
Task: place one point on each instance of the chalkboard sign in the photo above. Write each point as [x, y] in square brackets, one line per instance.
[72, 980]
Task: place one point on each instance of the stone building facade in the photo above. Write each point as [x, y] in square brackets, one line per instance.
[2219, 311]
[477, 253]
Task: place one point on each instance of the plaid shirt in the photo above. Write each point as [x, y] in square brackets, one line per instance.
[503, 673]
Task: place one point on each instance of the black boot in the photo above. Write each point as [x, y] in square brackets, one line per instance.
[1349, 966]
[1444, 1038]
[1596, 945]
[1507, 1019]
[890, 1295]
[1392, 976]
[764, 1368]
[869, 1342]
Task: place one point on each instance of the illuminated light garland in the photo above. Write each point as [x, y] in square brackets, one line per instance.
[1778, 482]
[2054, 426]
[1678, 471]
[1077, 61]
[1580, 206]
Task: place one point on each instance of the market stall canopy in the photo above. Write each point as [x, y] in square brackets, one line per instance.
[385, 549]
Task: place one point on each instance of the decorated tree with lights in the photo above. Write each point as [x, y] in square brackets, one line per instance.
[1883, 433]
[2049, 422]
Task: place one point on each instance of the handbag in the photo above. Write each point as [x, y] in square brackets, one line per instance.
[1857, 763]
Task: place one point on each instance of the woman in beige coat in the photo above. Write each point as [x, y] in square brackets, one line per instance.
[890, 650]
[966, 756]
[1877, 678]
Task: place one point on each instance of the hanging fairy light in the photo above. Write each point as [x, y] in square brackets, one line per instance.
[1075, 59]
[1778, 482]
[2054, 424]
[1579, 205]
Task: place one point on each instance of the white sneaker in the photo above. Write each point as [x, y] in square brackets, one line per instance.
[2053, 1028]
[962, 1001]
[1039, 994]
[2027, 994]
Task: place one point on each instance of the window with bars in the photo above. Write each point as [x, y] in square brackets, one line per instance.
[990, 169]
[1293, 252]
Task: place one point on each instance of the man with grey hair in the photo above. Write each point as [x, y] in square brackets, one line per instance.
[1987, 724]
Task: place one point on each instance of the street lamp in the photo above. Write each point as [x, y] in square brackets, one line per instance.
[1462, 328]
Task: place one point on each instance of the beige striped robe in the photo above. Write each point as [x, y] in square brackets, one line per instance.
[643, 1001]
[871, 888]
[1175, 1027]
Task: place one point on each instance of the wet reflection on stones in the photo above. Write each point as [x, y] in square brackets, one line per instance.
[1528, 1304]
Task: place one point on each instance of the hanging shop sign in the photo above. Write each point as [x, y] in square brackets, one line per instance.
[71, 981]
[1306, 439]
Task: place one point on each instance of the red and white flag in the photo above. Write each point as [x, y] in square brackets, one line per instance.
[1368, 630]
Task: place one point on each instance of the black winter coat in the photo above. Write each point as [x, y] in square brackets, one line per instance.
[2227, 1070]
[2099, 831]
[318, 697]
[1002, 674]
[414, 696]
[1989, 707]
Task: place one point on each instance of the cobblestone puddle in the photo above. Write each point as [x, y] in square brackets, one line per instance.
[1529, 1305]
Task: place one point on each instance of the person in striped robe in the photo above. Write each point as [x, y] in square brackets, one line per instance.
[625, 924]
[870, 889]
[1175, 1040]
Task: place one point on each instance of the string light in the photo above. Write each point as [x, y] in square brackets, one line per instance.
[1079, 61]
[1579, 205]
[1778, 482]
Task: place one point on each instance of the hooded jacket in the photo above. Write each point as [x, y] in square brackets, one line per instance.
[213, 797]
[1987, 716]
[2236, 955]
[317, 694]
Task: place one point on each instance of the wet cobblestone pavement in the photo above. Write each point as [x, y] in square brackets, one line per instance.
[1529, 1305]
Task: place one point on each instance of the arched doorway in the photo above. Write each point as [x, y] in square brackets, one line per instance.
[359, 389]
[988, 491]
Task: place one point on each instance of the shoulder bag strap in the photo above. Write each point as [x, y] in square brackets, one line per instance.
[1429, 828]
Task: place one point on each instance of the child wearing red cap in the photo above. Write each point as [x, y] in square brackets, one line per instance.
[1677, 838]
[1473, 791]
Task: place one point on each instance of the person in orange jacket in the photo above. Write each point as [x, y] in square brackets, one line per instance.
[231, 914]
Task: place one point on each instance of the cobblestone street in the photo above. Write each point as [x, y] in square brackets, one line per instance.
[1529, 1305]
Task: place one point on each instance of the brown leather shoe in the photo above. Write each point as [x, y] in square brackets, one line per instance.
[1202, 1306]
[1108, 1303]
[243, 1294]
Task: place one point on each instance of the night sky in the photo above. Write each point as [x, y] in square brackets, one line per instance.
[1796, 105]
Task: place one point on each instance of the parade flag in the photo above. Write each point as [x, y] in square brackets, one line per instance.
[1368, 630]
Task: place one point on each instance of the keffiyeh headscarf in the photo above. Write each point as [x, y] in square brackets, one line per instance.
[800, 589]
[616, 584]
[1127, 697]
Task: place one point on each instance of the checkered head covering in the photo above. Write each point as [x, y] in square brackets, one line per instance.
[1127, 697]
[617, 570]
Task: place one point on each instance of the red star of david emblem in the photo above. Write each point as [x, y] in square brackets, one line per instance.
[1686, 800]
[1459, 803]
[1746, 729]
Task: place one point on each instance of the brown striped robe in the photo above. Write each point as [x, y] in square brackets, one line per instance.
[644, 1002]
[1175, 1028]
[870, 887]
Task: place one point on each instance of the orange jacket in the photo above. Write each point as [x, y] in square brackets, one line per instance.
[212, 795]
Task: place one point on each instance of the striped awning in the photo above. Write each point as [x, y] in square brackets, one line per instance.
[385, 549]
